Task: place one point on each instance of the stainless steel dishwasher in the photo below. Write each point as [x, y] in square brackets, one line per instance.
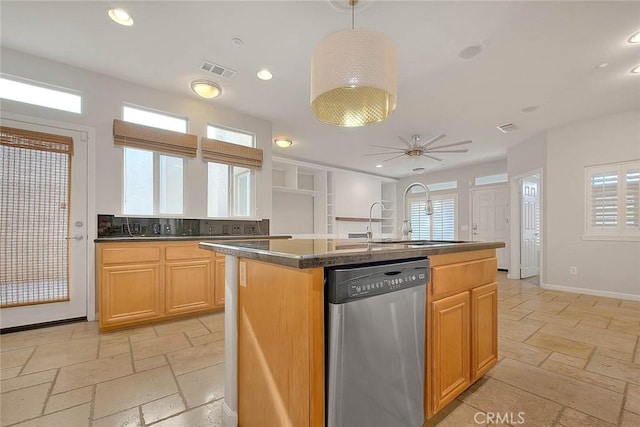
[375, 344]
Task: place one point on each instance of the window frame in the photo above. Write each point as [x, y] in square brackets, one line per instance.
[232, 199]
[156, 167]
[441, 195]
[46, 88]
[620, 232]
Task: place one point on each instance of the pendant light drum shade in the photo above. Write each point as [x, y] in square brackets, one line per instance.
[354, 78]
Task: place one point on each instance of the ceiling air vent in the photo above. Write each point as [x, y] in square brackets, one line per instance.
[216, 69]
[508, 127]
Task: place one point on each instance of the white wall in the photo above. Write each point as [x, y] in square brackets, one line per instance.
[528, 155]
[606, 266]
[292, 213]
[464, 175]
[102, 98]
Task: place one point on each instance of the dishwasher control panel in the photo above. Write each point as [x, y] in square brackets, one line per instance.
[350, 283]
[378, 285]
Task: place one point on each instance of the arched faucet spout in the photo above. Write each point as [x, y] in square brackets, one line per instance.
[406, 223]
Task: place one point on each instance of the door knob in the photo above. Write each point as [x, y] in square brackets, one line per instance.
[76, 237]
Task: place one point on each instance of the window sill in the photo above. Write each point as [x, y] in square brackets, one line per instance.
[605, 237]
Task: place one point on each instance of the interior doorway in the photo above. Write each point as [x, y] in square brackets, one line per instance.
[526, 227]
[490, 219]
[45, 229]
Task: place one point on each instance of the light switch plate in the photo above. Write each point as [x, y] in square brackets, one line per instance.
[243, 274]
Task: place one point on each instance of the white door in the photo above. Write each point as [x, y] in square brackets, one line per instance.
[530, 229]
[490, 214]
[76, 305]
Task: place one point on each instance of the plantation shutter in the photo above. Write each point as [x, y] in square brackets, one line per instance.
[439, 226]
[632, 199]
[604, 199]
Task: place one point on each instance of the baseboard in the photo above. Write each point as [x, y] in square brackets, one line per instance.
[594, 292]
[229, 416]
[41, 325]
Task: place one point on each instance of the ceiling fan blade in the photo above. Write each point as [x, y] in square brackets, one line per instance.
[395, 157]
[468, 141]
[431, 157]
[410, 145]
[435, 150]
[377, 154]
[433, 140]
[390, 148]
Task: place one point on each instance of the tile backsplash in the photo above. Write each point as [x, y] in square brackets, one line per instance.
[115, 226]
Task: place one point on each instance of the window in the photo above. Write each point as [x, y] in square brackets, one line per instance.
[439, 226]
[492, 179]
[39, 94]
[613, 199]
[153, 181]
[230, 190]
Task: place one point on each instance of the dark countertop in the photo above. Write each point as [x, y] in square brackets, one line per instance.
[309, 253]
[166, 238]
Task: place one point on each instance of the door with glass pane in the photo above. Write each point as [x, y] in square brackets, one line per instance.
[43, 233]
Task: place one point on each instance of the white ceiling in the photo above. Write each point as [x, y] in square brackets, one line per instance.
[534, 53]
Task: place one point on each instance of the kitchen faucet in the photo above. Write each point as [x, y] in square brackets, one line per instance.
[406, 223]
[369, 229]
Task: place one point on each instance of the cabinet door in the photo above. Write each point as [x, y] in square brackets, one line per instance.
[218, 292]
[129, 293]
[484, 329]
[189, 286]
[451, 348]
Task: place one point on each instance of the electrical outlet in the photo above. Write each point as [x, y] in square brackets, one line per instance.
[236, 229]
[249, 229]
[167, 228]
[573, 270]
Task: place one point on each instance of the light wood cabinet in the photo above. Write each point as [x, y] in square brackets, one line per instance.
[462, 333]
[451, 348]
[144, 282]
[484, 336]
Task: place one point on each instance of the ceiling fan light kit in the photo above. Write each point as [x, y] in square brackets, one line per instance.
[354, 77]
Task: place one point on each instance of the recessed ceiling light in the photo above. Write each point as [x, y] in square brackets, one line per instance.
[121, 17]
[530, 109]
[636, 69]
[264, 74]
[378, 166]
[206, 89]
[634, 38]
[283, 142]
[470, 52]
[602, 66]
[417, 170]
[237, 41]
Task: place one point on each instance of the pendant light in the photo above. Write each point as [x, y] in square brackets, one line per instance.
[353, 77]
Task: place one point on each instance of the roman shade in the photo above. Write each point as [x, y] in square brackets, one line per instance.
[20, 138]
[231, 154]
[154, 139]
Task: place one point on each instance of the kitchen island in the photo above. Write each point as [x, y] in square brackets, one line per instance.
[275, 322]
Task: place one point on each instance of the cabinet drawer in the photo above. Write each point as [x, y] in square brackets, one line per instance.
[454, 278]
[186, 252]
[136, 254]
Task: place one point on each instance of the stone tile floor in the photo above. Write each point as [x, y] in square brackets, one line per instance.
[565, 360]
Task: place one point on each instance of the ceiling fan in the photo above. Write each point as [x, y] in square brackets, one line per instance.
[415, 149]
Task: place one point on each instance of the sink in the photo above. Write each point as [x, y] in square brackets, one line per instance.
[420, 242]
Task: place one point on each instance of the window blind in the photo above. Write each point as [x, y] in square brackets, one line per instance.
[440, 225]
[154, 139]
[217, 151]
[34, 201]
